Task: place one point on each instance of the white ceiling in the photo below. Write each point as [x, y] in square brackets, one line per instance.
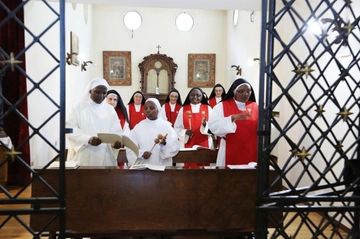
[183, 4]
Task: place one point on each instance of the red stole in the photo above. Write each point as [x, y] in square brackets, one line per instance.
[135, 117]
[241, 146]
[212, 102]
[121, 117]
[197, 138]
[172, 115]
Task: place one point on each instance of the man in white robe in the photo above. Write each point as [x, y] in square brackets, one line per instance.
[145, 133]
[90, 116]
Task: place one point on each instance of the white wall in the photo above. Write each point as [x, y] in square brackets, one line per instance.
[39, 63]
[158, 28]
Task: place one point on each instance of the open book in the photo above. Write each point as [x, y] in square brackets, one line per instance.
[68, 164]
[195, 147]
[251, 165]
[149, 166]
[123, 139]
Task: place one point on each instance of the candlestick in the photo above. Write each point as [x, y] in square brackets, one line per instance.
[189, 118]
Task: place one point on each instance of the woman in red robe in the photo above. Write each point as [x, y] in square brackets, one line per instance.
[191, 124]
[235, 119]
[172, 105]
[217, 94]
[113, 98]
[135, 109]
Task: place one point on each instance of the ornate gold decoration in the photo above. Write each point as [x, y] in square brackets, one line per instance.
[303, 70]
[348, 28]
[294, 151]
[307, 70]
[303, 154]
[298, 70]
[344, 114]
[12, 153]
[320, 110]
[237, 69]
[339, 146]
[12, 61]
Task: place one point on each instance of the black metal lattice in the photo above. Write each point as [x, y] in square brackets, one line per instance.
[39, 131]
[312, 79]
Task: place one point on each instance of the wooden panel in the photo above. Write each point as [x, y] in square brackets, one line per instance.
[193, 156]
[108, 200]
[196, 156]
[4, 167]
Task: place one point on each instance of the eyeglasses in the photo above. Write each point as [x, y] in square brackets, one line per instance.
[243, 92]
[195, 95]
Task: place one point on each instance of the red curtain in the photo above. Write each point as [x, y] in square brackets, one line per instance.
[14, 87]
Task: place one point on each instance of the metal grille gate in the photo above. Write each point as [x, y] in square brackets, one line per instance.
[307, 77]
[312, 79]
[56, 112]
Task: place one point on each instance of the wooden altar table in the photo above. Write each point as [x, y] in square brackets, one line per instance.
[177, 201]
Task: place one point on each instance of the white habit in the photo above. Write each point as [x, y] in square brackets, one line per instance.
[87, 119]
[144, 134]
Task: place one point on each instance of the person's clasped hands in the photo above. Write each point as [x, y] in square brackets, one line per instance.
[189, 132]
[94, 141]
[116, 145]
[241, 116]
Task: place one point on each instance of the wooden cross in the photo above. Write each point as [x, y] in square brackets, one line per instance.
[158, 47]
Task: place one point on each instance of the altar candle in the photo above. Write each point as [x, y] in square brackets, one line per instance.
[157, 90]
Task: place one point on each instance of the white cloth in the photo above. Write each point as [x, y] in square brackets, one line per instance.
[180, 130]
[87, 119]
[158, 106]
[220, 126]
[6, 141]
[144, 134]
[218, 99]
[92, 84]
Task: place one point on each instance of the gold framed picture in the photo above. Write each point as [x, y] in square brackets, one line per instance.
[117, 67]
[74, 48]
[201, 70]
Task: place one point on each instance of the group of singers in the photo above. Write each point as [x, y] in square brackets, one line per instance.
[160, 131]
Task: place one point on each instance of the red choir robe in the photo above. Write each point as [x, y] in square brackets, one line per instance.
[241, 146]
[122, 119]
[197, 138]
[135, 117]
[172, 115]
[212, 102]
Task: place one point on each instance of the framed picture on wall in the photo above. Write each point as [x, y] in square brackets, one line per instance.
[201, 70]
[74, 48]
[117, 67]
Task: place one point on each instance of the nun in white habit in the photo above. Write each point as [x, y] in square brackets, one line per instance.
[88, 117]
[145, 133]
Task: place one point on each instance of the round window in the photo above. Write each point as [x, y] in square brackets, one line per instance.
[132, 20]
[184, 21]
